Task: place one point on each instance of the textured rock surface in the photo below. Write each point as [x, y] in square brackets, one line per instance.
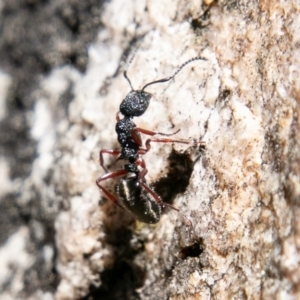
[242, 193]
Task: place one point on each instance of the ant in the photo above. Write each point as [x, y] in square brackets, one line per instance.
[133, 192]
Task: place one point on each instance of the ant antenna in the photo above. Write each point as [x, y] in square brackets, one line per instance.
[171, 77]
[126, 77]
[129, 63]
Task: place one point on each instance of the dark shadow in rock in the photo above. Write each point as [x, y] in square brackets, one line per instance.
[124, 276]
[180, 168]
[119, 283]
[193, 250]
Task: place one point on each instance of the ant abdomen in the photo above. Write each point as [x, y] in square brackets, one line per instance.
[135, 199]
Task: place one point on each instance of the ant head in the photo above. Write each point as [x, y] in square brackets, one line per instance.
[135, 103]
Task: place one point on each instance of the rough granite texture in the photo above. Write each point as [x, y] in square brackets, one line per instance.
[241, 193]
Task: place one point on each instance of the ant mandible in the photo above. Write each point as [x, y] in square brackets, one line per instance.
[133, 192]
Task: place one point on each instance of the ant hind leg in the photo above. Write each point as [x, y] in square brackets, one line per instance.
[106, 176]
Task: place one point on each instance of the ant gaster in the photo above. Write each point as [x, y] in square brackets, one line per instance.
[133, 192]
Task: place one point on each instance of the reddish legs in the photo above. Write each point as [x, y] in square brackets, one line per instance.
[110, 175]
[140, 179]
[142, 151]
[136, 136]
[107, 151]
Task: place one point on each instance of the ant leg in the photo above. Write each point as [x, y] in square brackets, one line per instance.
[107, 151]
[140, 162]
[163, 204]
[147, 188]
[165, 140]
[149, 132]
[106, 176]
[153, 193]
[135, 133]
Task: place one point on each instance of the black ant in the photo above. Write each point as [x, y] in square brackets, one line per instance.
[133, 192]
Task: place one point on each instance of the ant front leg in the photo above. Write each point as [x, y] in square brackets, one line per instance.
[137, 130]
[135, 134]
[106, 176]
[166, 140]
[107, 151]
